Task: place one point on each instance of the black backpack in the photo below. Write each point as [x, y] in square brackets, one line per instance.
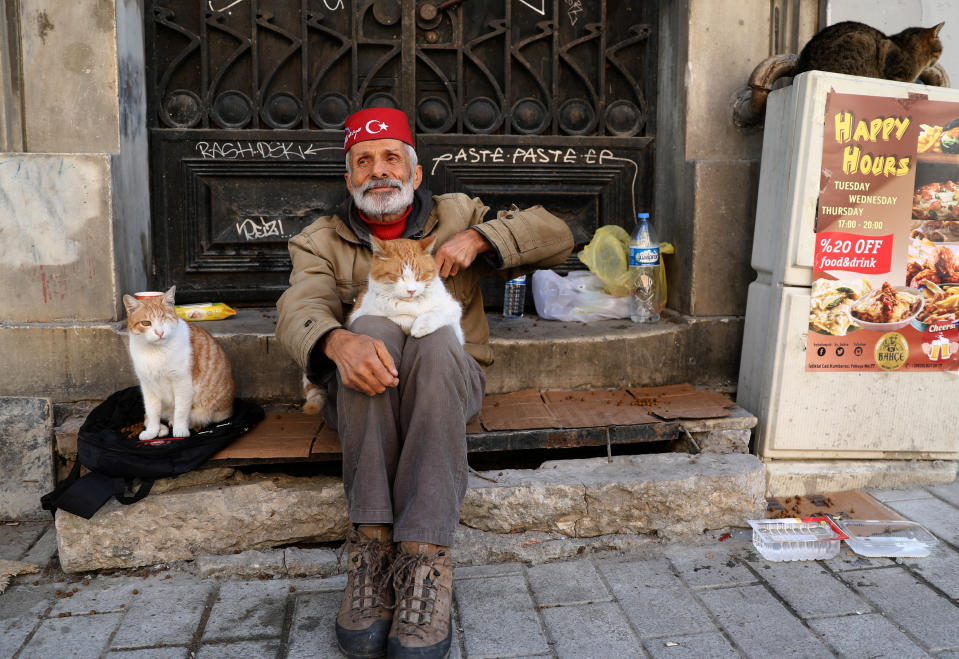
[108, 446]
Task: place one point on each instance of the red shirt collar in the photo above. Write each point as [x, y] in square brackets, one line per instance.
[387, 230]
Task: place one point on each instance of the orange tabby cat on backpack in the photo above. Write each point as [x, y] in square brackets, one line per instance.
[184, 374]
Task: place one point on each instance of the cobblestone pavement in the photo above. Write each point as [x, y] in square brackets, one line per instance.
[708, 598]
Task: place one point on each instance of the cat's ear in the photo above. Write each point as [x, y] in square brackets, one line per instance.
[168, 297]
[131, 303]
[428, 243]
[935, 29]
[379, 247]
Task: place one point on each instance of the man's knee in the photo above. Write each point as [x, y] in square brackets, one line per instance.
[380, 328]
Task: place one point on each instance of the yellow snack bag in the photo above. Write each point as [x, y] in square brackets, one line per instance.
[606, 256]
[204, 311]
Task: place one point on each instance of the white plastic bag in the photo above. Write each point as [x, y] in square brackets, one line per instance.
[579, 296]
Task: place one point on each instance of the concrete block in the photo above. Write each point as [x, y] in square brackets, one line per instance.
[57, 228]
[723, 441]
[479, 571]
[724, 209]
[88, 639]
[900, 494]
[670, 494]
[866, 636]
[80, 111]
[592, 630]
[248, 512]
[575, 582]
[311, 634]
[153, 653]
[26, 457]
[759, 624]
[908, 603]
[311, 562]
[949, 493]
[247, 609]
[655, 599]
[713, 645]
[44, 549]
[789, 478]
[498, 617]
[245, 564]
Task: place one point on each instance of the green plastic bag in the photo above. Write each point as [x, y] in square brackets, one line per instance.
[607, 257]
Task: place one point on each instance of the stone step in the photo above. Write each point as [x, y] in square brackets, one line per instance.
[223, 511]
[71, 362]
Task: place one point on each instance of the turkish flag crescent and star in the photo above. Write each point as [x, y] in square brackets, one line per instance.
[377, 124]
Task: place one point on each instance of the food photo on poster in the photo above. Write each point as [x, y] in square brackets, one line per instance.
[885, 290]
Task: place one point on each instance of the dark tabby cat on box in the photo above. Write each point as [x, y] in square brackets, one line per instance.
[857, 49]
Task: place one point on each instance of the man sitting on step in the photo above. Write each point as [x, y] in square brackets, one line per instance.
[401, 404]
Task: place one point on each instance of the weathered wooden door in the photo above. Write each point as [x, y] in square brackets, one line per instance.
[516, 101]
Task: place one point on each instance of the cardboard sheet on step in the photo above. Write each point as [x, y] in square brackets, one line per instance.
[519, 410]
[590, 409]
[681, 401]
[854, 504]
[279, 435]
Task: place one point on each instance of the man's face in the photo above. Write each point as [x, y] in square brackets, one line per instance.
[381, 181]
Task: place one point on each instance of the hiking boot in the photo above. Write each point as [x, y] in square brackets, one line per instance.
[422, 620]
[363, 622]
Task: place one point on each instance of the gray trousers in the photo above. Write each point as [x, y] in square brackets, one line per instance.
[404, 451]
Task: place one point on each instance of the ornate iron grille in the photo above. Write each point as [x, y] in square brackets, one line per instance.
[528, 67]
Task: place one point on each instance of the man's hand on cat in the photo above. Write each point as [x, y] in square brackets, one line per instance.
[460, 251]
[363, 362]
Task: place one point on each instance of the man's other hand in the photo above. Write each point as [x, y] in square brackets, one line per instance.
[363, 362]
[460, 251]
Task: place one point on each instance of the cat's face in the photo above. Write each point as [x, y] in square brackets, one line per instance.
[403, 268]
[152, 319]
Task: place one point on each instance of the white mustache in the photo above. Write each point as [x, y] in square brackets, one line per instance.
[391, 182]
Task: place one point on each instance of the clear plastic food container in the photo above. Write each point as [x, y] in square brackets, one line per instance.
[887, 537]
[795, 539]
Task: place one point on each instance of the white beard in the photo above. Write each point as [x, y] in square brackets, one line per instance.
[377, 204]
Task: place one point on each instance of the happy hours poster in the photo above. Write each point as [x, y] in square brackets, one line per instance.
[885, 289]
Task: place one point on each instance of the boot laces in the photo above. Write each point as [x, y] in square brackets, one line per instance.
[369, 575]
[415, 598]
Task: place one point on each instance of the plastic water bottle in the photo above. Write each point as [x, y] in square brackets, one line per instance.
[514, 297]
[644, 266]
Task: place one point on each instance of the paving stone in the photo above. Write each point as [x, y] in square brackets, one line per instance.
[810, 589]
[167, 613]
[909, 604]
[26, 456]
[575, 582]
[498, 617]
[311, 634]
[85, 636]
[330, 584]
[14, 631]
[935, 514]
[713, 645]
[654, 598]
[151, 653]
[592, 630]
[44, 549]
[869, 635]
[243, 650]
[702, 566]
[17, 538]
[105, 593]
[948, 492]
[248, 609]
[760, 624]
[494, 570]
[940, 568]
[888, 495]
[847, 559]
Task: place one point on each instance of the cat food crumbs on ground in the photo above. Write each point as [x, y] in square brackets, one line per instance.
[86, 583]
[292, 589]
[36, 583]
[93, 612]
[709, 555]
[136, 592]
[65, 614]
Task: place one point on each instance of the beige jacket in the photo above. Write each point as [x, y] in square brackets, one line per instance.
[331, 264]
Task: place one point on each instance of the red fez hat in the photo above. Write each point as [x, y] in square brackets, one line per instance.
[377, 124]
